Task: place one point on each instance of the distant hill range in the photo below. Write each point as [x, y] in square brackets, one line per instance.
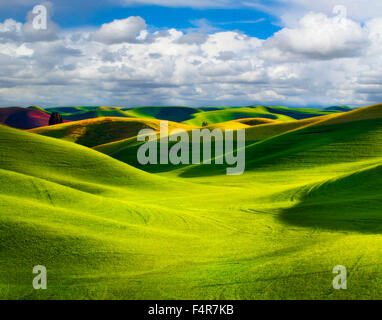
[35, 117]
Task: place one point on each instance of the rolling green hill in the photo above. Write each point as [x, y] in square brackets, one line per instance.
[308, 201]
[212, 117]
[71, 110]
[303, 113]
[177, 114]
[84, 113]
[339, 109]
[341, 138]
[194, 116]
[125, 150]
[94, 132]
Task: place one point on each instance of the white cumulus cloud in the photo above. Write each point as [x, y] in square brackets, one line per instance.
[119, 31]
[321, 37]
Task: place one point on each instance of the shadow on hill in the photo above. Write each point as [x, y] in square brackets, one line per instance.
[339, 108]
[296, 113]
[308, 148]
[68, 110]
[175, 114]
[23, 118]
[352, 203]
[243, 115]
[96, 113]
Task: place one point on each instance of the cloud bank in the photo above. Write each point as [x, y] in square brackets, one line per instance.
[322, 59]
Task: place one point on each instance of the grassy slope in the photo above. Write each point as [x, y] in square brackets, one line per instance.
[242, 123]
[37, 108]
[84, 113]
[340, 138]
[94, 132]
[126, 150]
[177, 114]
[83, 215]
[212, 117]
[339, 109]
[303, 113]
[309, 201]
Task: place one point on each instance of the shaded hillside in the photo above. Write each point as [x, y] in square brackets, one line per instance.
[339, 108]
[94, 132]
[341, 138]
[85, 113]
[304, 113]
[359, 195]
[228, 114]
[23, 118]
[125, 150]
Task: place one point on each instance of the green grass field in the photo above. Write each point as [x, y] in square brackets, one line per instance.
[74, 199]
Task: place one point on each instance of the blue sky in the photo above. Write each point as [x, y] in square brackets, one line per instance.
[195, 53]
[82, 13]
